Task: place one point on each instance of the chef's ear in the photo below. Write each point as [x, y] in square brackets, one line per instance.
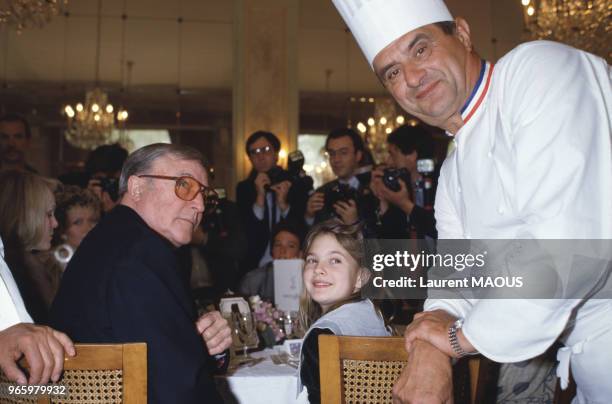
[463, 33]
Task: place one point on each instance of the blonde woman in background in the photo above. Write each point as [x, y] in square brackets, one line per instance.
[27, 221]
[77, 212]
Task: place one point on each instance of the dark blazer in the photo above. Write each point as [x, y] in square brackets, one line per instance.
[421, 223]
[258, 231]
[122, 285]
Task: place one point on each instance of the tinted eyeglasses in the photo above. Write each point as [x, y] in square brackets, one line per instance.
[187, 188]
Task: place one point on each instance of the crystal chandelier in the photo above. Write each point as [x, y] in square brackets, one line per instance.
[378, 127]
[23, 14]
[584, 24]
[92, 124]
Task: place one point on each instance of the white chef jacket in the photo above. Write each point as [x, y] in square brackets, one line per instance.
[534, 160]
[12, 309]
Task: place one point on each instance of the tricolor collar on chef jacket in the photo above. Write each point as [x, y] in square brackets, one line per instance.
[479, 92]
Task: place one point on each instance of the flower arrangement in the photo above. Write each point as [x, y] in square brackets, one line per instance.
[268, 319]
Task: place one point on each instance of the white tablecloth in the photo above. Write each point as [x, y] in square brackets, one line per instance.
[263, 383]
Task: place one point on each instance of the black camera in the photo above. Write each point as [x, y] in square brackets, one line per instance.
[339, 193]
[213, 212]
[110, 186]
[277, 175]
[391, 177]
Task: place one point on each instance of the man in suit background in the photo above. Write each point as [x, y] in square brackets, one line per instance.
[348, 197]
[266, 197]
[123, 284]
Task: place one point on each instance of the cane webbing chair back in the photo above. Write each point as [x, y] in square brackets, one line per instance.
[99, 373]
[362, 370]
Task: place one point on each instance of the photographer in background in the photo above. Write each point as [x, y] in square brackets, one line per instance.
[348, 197]
[409, 182]
[103, 167]
[269, 195]
[15, 138]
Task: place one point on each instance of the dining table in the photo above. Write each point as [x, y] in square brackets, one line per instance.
[270, 377]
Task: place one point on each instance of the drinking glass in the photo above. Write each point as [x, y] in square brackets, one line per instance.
[243, 327]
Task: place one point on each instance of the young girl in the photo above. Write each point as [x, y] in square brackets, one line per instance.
[331, 303]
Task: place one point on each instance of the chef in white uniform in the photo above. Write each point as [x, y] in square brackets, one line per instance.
[43, 347]
[532, 158]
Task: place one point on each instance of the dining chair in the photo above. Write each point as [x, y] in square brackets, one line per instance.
[98, 373]
[363, 369]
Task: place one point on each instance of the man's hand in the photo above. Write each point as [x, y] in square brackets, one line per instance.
[282, 190]
[215, 331]
[43, 348]
[427, 377]
[376, 186]
[315, 203]
[347, 211]
[261, 180]
[401, 198]
[431, 327]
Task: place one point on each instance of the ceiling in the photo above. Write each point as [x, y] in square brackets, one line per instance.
[42, 67]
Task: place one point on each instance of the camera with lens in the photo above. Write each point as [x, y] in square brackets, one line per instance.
[339, 193]
[391, 177]
[295, 171]
[213, 212]
[110, 186]
[277, 175]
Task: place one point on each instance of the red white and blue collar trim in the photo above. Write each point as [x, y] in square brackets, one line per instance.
[480, 91]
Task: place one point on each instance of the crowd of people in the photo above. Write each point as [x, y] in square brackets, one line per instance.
[123, 252]
[130, 249]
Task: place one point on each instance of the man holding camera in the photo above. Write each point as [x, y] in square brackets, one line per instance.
[266, 197]
[409, 182]
[348, 197]
[103, 167]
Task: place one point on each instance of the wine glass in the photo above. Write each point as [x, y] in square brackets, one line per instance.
[244, 329]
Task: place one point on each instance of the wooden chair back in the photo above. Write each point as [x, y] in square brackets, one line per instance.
[99, 373]
[364, 369]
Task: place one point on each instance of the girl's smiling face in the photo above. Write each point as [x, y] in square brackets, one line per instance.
[330, 274]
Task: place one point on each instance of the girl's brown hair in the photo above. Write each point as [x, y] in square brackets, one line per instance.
[351, 239]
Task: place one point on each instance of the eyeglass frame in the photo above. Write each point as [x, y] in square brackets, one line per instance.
[203, 188]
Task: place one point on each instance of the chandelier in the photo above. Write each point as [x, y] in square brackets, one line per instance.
[23, 14]
[378, 127]
[584, 24]
[92, 124]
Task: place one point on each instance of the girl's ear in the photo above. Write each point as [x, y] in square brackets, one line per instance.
[363, 275]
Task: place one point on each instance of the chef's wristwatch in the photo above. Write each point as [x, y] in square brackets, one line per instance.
[452, 337]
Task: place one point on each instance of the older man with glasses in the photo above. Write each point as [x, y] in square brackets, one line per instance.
[123, 284]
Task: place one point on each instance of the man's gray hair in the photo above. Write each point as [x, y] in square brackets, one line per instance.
[141, 161]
